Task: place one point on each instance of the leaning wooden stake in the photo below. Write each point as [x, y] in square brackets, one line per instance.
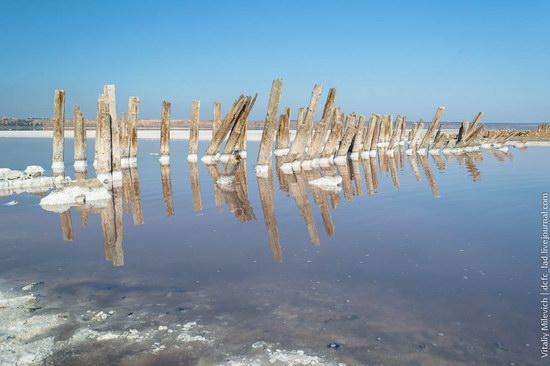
[349, 133]
[238, 133]
[320, 135]
[194, 132]
[220, 133]
[266, 143]
[297, 149]
[80, 163]
[431, 129]
[165, 133]
[58, 163]
[336, 133]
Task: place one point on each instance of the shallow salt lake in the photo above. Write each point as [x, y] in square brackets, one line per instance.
[416, 261]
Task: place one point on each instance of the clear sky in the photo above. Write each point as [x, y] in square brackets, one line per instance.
[398, 57]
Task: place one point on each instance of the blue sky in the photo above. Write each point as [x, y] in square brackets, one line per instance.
[398, 57]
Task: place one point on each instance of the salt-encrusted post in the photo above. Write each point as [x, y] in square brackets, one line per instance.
[217, 117]
[264, 155]
[282, 140]
[435, 122]
[165, 133]
[194, 131]
[124, 141]
[80, 164]
[317, 143]
[103, 169]
[358, 140]
[349, 133]
[58, 163]
[133, 115]
[297, 149]
[402, 137]
[234, 142]
[110, 96]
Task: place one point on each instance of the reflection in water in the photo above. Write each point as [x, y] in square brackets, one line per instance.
[236, 194]
[267, 195]
[195, 186]
[167, 189]
[67, 225]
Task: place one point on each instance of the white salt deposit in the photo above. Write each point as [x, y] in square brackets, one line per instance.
[91, 193]
[328, 182]
[209, 159]
[354, 156]
[82, 165]
[34, 171]
[433, 151]
[281, 152]
[192, 158]
[286, 168]
[262, 171]
[340, 160]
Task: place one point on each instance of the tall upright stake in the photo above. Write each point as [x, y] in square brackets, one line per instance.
[165, 133]
[58, 163]
[264, 155]
[80, 163]
[194, 131]
[133, 115]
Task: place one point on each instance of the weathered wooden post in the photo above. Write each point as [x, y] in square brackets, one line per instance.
[282, 140]
[358, 140]
[194, 131]
[133, 116]
[110, 99]
[217, 117]
[104, 162]
[165, 133]
[235, 140]
[124, 141]
[341, 156]
[435, 122]
[320, 135]
[297, 150]
[266, 143]
[80, 163]
[58, 120]
[402, 137]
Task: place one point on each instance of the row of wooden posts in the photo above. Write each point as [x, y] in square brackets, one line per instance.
[333, 139]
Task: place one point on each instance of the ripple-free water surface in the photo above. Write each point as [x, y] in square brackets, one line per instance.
[427, 266]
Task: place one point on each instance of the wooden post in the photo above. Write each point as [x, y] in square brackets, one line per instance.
[282, 140]
[219, 135]
[58, 120]
[395, 135]
[80, 163]
[104, 162]
[336, 133]
[358, 140]
[217, 117]
[194, 131]
[431, 129]
[297, 149]
[347, 139]
[266, 143]
[320, 135]
[124, 141]
[165, 133]
[402, 137]
[110, 99]
[133, 117]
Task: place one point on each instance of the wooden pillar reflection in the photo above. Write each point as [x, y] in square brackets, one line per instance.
[414, 166]
[166, 180]
[371, 191]
[266, 189]
[429, 175]
[281, 177]
[118, 251]
[356, 173]
[84, 214]
[109, 230]
[299, 192]
[347, 186]
[335, 199]
[137, 210]
[321, 201]
[401, 149]
[439, 162]
[215, 174]
[195, 186]
[67, 225]
[126, 189]
[393, 170]
[471, 167]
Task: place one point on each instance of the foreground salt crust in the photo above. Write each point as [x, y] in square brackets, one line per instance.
[89, 192]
